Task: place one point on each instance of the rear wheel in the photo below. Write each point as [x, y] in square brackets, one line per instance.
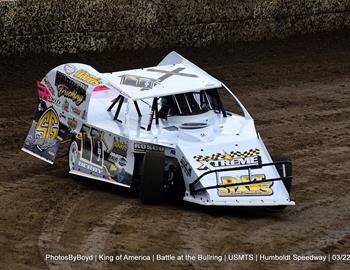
[152, 181]
[73, 154]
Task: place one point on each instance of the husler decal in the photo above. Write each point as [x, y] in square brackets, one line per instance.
[70, 88]
[255, 189]
[231, 159]
[119, 148]
[87, 77]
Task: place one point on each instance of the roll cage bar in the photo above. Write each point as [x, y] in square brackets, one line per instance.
[204, 98]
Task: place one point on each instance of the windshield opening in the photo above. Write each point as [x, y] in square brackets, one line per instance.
[191, 103]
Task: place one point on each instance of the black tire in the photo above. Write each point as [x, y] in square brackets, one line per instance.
[177, 191]
[152, 185]
[179, 186]
[137, 172]
[287, 182]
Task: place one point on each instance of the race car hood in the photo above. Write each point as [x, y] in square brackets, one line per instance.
[226, 161]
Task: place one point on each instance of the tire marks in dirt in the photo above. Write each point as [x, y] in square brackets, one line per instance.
[96, 241]
[49, 241]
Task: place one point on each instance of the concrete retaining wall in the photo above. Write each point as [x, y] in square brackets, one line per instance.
[60, 26]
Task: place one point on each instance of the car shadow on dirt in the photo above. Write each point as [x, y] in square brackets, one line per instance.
[171, 202]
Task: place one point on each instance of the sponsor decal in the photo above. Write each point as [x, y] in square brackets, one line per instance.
[46, 131]
[119, 148]
[69, 88]
[143, 147]
[43, 92]
[54, 101]
[113, 157]
[231, 159]
[186, 166]
[146, 83]
[122, 162]
[76, 110]
[87, 77]
[255, 189]
[119, 174]
[90, 167]
[138, 81]
[69, 69]
[65, 105]
[72, 123]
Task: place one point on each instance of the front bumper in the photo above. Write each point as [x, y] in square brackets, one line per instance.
[237, 202]
[197, 190]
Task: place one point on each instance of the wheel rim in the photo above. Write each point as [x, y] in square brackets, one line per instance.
[73, 154]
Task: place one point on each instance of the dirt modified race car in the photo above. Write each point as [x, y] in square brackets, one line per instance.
[161, 130]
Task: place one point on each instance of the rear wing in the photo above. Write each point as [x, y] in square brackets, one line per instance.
[64, 96]
[46, 132]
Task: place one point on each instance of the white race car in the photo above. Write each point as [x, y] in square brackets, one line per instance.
[161, 130]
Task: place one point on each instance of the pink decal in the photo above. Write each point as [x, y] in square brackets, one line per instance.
[101, 88]
[43, 92]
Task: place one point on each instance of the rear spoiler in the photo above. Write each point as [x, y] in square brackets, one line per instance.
[46, 132]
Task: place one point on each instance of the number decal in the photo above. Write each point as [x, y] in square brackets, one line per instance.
[97, 148]
[86, 146]
[92, 147]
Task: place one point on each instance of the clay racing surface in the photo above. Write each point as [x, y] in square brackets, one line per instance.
[299, 93]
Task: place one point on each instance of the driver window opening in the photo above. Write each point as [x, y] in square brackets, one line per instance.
[191, 104]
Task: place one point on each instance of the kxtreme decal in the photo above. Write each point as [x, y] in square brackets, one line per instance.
[231, 159]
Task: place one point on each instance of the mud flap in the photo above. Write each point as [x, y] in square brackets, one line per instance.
[45, 135]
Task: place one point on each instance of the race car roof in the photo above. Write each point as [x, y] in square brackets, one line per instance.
[173, 75]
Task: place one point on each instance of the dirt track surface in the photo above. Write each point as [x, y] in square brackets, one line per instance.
[297, 90]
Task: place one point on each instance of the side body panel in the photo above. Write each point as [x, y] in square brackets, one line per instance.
[103, 156]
